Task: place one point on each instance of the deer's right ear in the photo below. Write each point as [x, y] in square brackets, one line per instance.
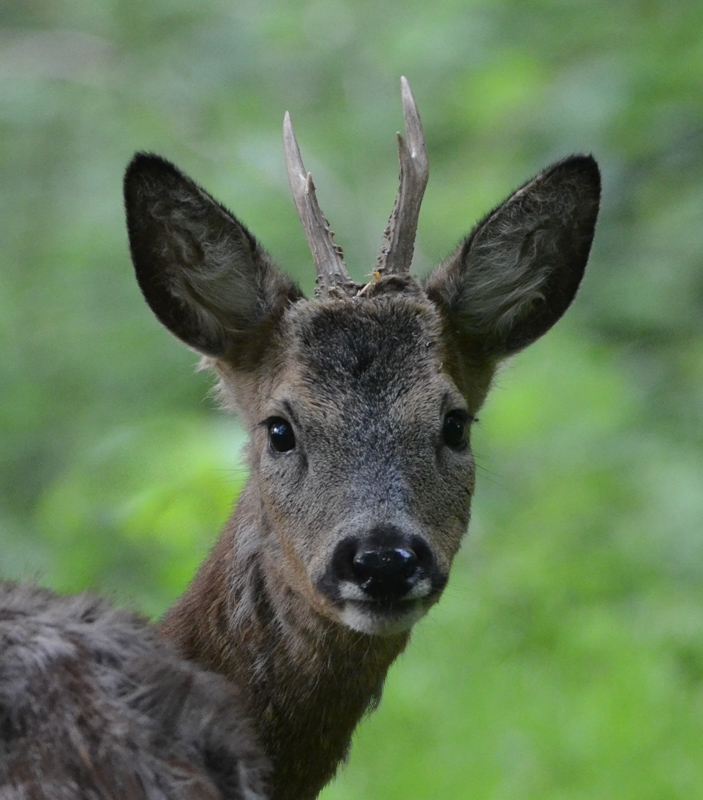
[202, 273]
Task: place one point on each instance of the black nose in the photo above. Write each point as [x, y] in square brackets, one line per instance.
[385, 574]
[385, 563]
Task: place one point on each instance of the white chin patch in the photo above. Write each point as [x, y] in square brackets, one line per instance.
[362, 617]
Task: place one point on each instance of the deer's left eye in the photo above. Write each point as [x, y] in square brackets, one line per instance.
[455, 427]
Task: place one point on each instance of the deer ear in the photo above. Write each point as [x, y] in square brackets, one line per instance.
[514, 276]
[202, 273]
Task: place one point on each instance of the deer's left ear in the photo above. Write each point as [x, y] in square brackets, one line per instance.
[514, 276]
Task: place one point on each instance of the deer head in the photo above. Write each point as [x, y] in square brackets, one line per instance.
[359, 401]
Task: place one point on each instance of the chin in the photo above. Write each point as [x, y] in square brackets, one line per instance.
[377, 620]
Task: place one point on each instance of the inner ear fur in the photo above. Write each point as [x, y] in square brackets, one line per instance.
[201, 271]
[515, 275]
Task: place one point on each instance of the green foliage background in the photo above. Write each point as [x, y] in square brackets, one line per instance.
[566, 658]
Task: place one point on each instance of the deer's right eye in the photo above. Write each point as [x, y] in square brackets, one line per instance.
[281, 436]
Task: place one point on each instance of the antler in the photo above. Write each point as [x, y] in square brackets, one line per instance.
[399, 236]
[326, 255]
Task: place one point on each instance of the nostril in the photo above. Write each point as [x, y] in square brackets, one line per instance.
[423, 552]
[385, 573]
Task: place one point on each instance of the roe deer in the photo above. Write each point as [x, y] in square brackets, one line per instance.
[358, 403]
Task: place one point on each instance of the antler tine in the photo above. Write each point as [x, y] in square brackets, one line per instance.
[326, 255]
[399, 236]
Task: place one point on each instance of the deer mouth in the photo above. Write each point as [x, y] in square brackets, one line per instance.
[377, 618]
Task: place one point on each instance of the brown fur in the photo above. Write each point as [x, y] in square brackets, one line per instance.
[358, 405]
[94, 704]
[364, 377]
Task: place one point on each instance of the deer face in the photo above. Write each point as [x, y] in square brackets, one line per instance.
[359, 402]
[363, 461]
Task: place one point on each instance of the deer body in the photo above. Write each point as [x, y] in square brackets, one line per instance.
[307, 678]
[95, 705]
[358, 403]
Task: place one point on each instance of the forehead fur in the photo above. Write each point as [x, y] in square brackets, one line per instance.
[340, 351]
[365, 344]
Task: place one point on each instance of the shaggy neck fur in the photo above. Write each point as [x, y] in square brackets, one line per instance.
[305, 681]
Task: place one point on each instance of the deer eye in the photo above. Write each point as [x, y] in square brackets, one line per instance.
[454, 428]
[281, 436]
